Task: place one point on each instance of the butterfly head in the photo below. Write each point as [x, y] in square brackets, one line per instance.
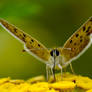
[54, 53]
[54, 57]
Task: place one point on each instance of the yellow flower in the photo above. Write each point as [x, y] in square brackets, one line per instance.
[36, 79]
[84, 82]
[25, 87]
[66, 86]
[65, 83]
[65, 77]
[7, 87]
[17, 81]
[89, 90]
[4, 80]
[39, 87]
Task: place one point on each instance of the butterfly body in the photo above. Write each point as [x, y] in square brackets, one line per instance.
[74, 47]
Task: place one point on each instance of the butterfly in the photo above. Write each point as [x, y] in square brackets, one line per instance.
[74, 47]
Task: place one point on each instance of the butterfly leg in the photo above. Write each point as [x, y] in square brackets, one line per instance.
[48, 73]
[71, 67]
[53, 72]
[60, 68]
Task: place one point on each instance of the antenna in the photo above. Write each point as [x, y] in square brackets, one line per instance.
[45, 49]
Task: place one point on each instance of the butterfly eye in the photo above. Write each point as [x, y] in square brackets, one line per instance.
[51, 53]
[57, 53]
[54, 52]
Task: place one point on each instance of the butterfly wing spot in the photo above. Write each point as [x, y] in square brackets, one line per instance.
[24, 35]
[73, 49]
[81, 36]
[15, 30]
[39, 45]
[77, 35]
[84, 28]
[70, 41]
[74, 43]
[88, 34]
[32, 40]
[81, 40]
[88, 29]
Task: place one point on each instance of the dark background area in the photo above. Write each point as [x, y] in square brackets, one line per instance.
[51, 22]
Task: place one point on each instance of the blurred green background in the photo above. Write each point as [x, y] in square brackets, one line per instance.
[51, 22]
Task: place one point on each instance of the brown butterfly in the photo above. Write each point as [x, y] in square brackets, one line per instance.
[74, 47]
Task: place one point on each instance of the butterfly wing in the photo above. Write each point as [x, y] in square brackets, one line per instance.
[31, 44]
[78, 43]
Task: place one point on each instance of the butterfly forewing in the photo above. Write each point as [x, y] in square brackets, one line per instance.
[78, 42]
[31, 44]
